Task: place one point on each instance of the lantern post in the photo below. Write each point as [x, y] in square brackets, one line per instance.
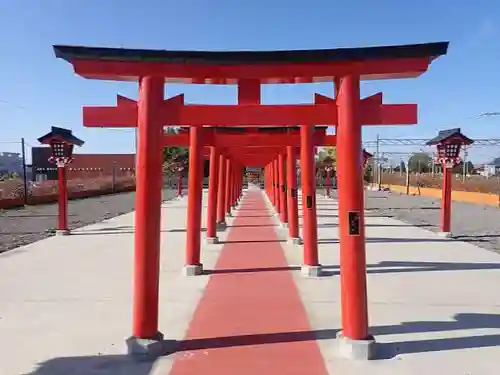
[62, 142]
[448, 143]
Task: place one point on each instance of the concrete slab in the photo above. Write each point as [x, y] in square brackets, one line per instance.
[65, 302]
[432, 305]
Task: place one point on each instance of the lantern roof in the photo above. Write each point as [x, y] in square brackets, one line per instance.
[450, 136]
[367, 154]
[62, 135]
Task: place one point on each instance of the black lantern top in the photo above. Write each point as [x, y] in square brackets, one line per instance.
[366, 155]
[449, 143]
[62, 142]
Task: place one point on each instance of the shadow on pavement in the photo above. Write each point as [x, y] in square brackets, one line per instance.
[333, 225]
[103, 365]
[462, 321]
[383, 350]
[388, 240]
[383, 267]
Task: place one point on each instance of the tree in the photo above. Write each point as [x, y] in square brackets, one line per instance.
[174, 155]
[331, 153]
[459, 168]
[419, 162]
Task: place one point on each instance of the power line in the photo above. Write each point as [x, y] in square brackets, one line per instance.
[422, 142]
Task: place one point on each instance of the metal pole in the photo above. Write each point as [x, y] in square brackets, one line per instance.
[464, 169]
[377, 162]
[25, 176]
[433, 171]
[113, 178]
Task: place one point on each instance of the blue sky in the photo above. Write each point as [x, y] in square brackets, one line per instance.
[37, 90]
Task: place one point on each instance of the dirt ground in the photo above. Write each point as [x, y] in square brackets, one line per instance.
[25, 225]
[472, 223]
[477, 224]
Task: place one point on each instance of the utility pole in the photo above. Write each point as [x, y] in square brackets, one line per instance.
[464, 169]
[25, 175]
[377, 160]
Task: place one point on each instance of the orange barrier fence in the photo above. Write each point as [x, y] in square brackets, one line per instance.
[457, 195]
[12, 192]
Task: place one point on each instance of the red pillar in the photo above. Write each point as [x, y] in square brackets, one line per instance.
[310, 225]
[221, 196]
[212, 196]
[234, 182]
[277, 186]
[282, 189]
[293, 211]
[194, 208]
[62, 200]
[446, 202]
[148, 210]
[351, 212]
[228, 187]
[267, 181]
[272, 183]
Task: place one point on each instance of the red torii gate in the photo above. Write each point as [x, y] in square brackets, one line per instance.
[346, 67]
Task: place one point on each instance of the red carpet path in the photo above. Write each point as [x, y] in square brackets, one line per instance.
[251, 319]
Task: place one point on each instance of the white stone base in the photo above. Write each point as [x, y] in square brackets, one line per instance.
[444, 234]
[347, 348]
[221, 226]
[146, 348]
[62, 232]
[192, 270]
[310, 271]
[212, 240]
[284, 225]
[295, 241]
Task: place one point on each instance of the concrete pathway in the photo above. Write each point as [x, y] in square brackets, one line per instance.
[432, 302]
[65, 302]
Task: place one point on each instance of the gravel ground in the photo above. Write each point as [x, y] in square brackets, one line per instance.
[25, 225]
[472, 223]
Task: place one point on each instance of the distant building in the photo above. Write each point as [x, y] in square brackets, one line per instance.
[83, 165]
[490, 170]
[11, 162]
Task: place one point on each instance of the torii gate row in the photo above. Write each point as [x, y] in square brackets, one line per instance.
[346, 67]
[249, 113]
